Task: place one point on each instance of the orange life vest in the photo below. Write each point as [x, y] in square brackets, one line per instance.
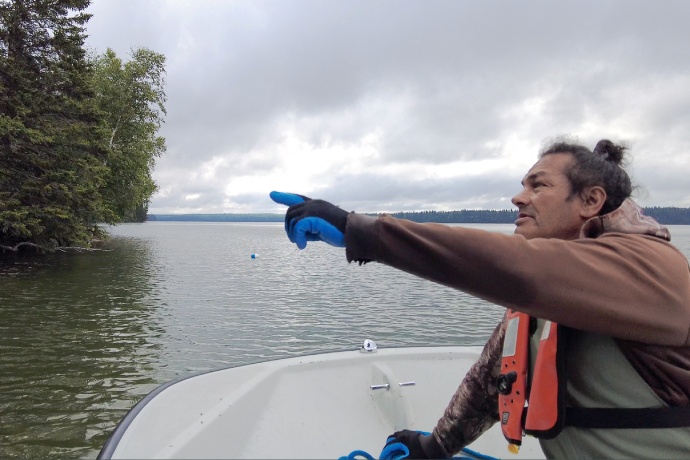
[539, 409]
[546, 411]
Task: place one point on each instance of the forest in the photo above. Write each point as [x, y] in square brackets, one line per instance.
[78, 130]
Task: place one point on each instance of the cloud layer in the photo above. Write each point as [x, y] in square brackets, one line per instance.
[391, 106]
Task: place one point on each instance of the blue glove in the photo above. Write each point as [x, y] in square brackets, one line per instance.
[394, 450]
[417, 444]
[312, 220]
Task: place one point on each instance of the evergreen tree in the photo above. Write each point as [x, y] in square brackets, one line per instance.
[52, 151]
[132, 99]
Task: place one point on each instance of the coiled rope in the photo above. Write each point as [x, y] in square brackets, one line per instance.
[399, 451]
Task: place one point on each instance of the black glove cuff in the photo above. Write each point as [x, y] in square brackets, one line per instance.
[431, 447]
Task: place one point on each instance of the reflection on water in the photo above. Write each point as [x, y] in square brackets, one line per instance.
[84, 336]
[77, 347]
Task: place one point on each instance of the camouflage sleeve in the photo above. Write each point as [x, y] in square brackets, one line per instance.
[474, 407]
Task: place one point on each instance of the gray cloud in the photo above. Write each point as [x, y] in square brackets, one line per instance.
[426, 82]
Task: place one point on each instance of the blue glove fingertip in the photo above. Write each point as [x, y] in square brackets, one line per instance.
[288, 199]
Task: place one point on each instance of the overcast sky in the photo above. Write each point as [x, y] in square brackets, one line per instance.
[404, 105]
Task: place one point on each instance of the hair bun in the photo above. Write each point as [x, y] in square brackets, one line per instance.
[610, 151]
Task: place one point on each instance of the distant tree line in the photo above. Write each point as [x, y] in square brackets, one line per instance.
[669, 216]
[666, 216]
[216, 217]
[77, 132]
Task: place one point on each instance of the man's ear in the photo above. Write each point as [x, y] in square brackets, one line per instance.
[593, 200]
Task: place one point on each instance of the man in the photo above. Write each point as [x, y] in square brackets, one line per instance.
[597, 331]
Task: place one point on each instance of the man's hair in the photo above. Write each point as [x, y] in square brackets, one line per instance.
[602, 167]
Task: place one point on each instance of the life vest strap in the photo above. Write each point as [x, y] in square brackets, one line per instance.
[648, 417]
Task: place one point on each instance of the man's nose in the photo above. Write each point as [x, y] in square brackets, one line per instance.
[520, 199]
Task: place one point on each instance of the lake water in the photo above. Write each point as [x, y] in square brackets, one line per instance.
[84, 336]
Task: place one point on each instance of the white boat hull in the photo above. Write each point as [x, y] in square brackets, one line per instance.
[319, 406]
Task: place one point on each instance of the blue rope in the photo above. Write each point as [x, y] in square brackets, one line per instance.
[356, 454]
[477, 455]
[399, 451]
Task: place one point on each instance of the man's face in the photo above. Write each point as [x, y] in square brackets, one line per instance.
[545, 207]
